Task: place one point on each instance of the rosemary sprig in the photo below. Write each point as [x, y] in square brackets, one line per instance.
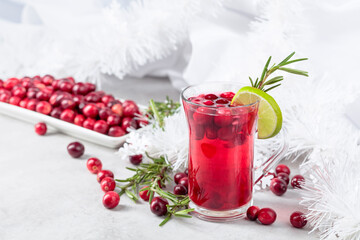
[274, 82]
[150, 175]
[160, 110]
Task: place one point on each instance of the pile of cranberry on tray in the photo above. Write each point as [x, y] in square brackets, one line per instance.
[73, 102]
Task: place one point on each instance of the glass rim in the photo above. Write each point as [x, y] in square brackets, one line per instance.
[203, 105]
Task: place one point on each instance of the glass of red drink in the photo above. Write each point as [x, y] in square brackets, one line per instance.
[221, 151]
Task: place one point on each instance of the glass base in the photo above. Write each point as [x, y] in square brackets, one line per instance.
[219, 216]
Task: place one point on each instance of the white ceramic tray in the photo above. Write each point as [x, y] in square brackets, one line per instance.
[62, 126]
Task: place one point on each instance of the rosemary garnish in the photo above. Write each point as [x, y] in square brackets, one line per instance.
[160, 110]
[263, 82]
[151, 175]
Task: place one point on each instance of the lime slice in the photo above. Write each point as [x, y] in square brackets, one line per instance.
[270, 117]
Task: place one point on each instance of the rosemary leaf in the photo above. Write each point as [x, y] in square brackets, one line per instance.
[165, 220]
[265, 70]
[272, 88]
[286, 59]
[294, 71]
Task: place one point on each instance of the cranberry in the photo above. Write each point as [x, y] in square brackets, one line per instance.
[27, 84]
[225, 133]
[103, 174]
[107, 98]
[43, 107]
[59, 98]
[266, 216]
[107, 184]
[66, 86]
[223, 117]
[19, 92]
[228, 95]
[104, 113]
[5, 97]
[91, 87]
[67, 104]
[186, 172]
[42, 96]
[211, 132]
[282, 168]
[208, 103]
[158, 206]
[298, 219]
[55, 84]
[56, 112]
[89, 123]
[111, 199]
[76, 149]
[53, 99]
[71, 79]
[40, 128]
[93, 97]
[94, 165]
[79, 120]
[100, 105]
[128, 123]
[10, 83]
[184, 181]
[36, 78]
[23, 103]
[101, 127]
[80, 89]
[68, 115]
[118, 109]
[112, 103]
[31, 104]
[116, 131]
[113, 120]
[90, 110]
[78, 99]
[201, 115]
[14, 100]
[144, 194]
[297, 181]
[252, 213]
[210, 96]
[130, 108]
[136, 159]
[284, 176]
[179, 176]
[180, 190]
[278, 186]
[48, 79]
[222, 101]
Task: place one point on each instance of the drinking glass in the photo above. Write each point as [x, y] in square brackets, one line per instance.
[221, 152]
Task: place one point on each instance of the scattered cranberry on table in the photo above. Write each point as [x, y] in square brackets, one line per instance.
[284, 176]
[297, 181]
[158, 206]
[94, 165]
[136, 159]
[252, 213]
[40, 128]
[180, 190]
[185, 182]
[266, 216]
[76, 149]
[111, 199]
[103, 174]
[107, 184]
[278, 186]
[298, 219]
[179, 176]
[144, 194]
[282, 168]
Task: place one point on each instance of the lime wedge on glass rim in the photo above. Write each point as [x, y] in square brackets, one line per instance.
[270, 117]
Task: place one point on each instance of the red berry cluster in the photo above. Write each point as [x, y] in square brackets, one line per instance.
[73, 102]
[280, 183]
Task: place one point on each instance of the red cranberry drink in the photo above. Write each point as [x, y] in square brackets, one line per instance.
[221, 148]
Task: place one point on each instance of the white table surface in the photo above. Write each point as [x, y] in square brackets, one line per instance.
[46, 194]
